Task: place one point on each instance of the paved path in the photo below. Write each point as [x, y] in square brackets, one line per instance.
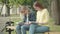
[3, 20]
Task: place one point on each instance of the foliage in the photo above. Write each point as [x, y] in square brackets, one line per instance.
[25, 2]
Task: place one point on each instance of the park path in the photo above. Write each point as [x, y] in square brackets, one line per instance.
[3, 20]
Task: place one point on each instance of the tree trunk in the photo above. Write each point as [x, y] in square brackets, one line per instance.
[3, 13]
[58, 1]
[54, 11]
[8, 7]
[8, 10]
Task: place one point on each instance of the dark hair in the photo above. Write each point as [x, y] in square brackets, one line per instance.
[37, 4]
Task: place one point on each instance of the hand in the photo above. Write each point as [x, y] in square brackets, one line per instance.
[30, 22]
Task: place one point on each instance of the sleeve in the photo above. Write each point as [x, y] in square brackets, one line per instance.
[46, 17]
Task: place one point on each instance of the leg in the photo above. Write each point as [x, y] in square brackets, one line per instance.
[32, 28]
[24, 28]
[37, 29]
[42, 29]
[18, 29]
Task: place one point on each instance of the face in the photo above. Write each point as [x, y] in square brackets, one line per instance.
[26, 12]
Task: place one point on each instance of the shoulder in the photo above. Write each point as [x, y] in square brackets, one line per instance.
[45, 10]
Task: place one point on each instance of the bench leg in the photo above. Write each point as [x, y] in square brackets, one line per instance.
[9, 32]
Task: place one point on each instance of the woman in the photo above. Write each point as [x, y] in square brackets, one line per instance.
[42, 19]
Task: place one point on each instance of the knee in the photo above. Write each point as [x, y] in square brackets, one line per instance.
[22, 27]
[32, 26]
[18, 27]
[46, 28]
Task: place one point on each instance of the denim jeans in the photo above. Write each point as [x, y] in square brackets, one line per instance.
[24, 28]
[34, 28]
[18, 29]
[21, 29]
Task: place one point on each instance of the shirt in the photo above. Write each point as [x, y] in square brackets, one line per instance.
[42, 16]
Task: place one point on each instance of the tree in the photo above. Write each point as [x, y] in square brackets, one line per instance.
[11, 3]
[55, 11]
[58, 5]
[6, 2]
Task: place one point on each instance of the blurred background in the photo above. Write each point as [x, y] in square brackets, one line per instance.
[10, 10]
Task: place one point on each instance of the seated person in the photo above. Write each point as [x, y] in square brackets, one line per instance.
[42, 19]
[26, 16]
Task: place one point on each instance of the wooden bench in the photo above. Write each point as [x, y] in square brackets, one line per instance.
[11, 27]
[14, 27]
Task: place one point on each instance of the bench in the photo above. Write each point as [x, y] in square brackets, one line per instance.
[11, 28]
[14, 27]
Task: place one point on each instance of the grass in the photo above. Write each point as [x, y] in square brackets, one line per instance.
[53, 27]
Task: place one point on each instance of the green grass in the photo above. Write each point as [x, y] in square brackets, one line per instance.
[53, 27]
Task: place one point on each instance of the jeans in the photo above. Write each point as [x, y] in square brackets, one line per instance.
[34, 28]
[21, 29]
[24, 28]
[18, 29]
